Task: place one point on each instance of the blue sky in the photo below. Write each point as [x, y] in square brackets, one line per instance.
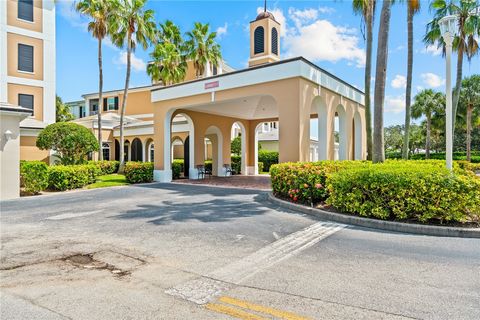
[325, 32]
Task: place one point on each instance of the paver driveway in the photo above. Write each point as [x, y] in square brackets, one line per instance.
[164, 251]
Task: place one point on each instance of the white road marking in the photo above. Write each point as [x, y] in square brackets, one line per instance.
[275, 235]
[205, 289]
[72, 215]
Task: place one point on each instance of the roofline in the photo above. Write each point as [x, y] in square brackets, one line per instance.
[117, 90]
[267, 65]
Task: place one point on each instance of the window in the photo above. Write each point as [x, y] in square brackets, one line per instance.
[151, 151]
[25, 10]
[93, 106]
[25, 58]
[258, 40]
[274, 41]
[106, 151]
[110, 103]
[25, 101]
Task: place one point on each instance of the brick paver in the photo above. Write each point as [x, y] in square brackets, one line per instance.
[260, 182]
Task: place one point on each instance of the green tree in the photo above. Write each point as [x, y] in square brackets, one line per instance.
[62, 111]
[131, 25]
[380, 78]
[413, 6]
[202, 48]
[72, 142]
[394, 138]
[99, 12]
[236, 146]
[366, 8]
[427, 103]
[169, 55]
[466, 41]
[470, 107]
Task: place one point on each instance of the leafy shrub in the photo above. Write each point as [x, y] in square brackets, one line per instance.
[177, 168]
[34, 176]
[71, 141]
[260, 167]
[469, 166]
[63, 177]
[105, 166]
[237, 164]
[395, 190]
[268, 158]
[139, 172]
[405, 192]
[305, 182]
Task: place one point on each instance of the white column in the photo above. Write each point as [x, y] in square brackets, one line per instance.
[144, 153]
[449, 120]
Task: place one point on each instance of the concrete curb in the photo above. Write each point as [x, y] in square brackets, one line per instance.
[427, 230]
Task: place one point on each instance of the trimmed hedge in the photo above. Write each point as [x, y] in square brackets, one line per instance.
[63, 177]
[395, 190]
[268, 158]
[177, 168]
[139, 172]
[105, 166]
[34, 176]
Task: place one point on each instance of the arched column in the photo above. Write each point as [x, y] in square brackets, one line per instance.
[162, 164]
[324, 127]
[358, 136]
[343, 132]
[214, 134]
[243, 149]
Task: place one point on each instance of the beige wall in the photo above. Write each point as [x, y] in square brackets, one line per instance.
[29, 150]
[12, 55]
[12, 16]
[15, 89]
[296, 100]
[267, 25]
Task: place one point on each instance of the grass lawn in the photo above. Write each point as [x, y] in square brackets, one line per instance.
[109, 180]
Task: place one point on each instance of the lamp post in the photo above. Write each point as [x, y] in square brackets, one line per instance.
[448, 29]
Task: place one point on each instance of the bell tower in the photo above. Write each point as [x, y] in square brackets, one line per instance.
[264, 39]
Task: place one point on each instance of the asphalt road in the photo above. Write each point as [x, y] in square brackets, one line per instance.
[166, 251]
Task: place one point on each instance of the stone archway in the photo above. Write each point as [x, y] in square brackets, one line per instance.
[214, 134]
[136, 150]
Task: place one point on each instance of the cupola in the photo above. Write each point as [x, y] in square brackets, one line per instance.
[264, 39]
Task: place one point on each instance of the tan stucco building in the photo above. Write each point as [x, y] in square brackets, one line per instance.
[194, 119]
[27, 67]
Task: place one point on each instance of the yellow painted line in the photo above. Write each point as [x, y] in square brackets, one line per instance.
[255, 307]
[233, 312]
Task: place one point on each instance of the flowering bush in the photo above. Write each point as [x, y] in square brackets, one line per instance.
[395, 190]
[139, 172]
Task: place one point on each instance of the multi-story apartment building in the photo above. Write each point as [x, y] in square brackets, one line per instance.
[27, 66]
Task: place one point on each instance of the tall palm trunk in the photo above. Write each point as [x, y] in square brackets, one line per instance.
[427, 141]
[469, 131]
[458, 84]
[100, 100]
[380, 78]
[408, 94]
[121, 167]
[368, 77]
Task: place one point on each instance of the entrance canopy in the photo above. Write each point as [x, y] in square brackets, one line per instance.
[290, 92]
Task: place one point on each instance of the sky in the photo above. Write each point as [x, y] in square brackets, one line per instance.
[325, 32]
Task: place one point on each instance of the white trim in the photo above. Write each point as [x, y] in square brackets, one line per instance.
[255, 153]
[291, 69]
[29, 132]
[3, 52]
[28, 33]
[162, 175]
[214, 130]
[26, 82]
[271, 56]
[140, 116]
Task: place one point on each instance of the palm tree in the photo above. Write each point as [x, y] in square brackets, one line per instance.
[466, 41]
[470, 100]
[366, 8]
[413, 6]
[169, 56]
[132, 25]
[428, 103]
[99, 12]
[380, 78]
[202, 48]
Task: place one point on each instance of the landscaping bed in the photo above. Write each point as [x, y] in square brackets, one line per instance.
[37, 176]
[407, 191]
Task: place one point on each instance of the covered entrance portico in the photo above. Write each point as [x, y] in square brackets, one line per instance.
[291, 92]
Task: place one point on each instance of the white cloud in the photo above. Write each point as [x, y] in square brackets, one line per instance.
[66, 8]
[280, 17]
[432, 80]
[221, 31]
[399, 82]
[137, 63]
[433, 50]
[394, 104]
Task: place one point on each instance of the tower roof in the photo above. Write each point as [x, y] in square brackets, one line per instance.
[264, 15]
